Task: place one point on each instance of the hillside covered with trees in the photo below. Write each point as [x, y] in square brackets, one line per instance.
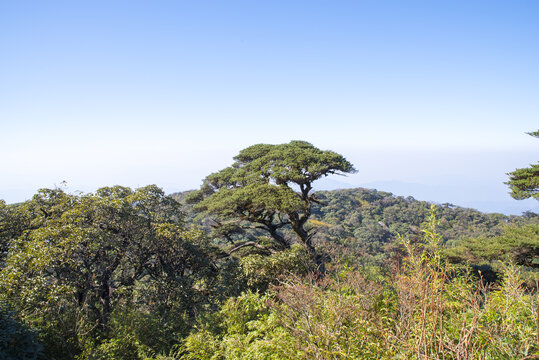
[364, 226]
[256, 265]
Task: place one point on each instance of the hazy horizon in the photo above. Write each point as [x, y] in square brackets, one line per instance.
[434, 95]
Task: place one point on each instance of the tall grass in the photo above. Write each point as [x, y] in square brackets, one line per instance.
[425, 309]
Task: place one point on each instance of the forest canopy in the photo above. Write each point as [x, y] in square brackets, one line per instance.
[269, 187]
[257, 265]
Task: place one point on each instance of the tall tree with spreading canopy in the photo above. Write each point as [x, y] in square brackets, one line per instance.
[524, 183]
[269, 188]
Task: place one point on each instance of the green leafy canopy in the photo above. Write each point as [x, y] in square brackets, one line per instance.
[268, 187]
[524, 183]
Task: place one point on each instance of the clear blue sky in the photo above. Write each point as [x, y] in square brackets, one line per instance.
[97, 93]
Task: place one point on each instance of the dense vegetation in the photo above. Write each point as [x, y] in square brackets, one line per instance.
[103, 271]
[370, 223]
[364, 226]
[254, 265]
[269, 188]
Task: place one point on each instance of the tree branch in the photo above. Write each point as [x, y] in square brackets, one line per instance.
[253, 244]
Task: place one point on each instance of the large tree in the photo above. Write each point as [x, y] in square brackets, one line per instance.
[82, 259]
[524, 183]
[269, 188]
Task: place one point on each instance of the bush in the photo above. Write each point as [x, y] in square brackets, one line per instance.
[426, 309]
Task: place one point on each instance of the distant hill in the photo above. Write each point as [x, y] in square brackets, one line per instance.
[369, 221]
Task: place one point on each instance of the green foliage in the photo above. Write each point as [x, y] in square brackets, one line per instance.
[362, 226]
[261, 271]
[120, 274]
[14, 220]
[121, 347]
[85, 259]
[448, 314]
[524, 183]
[336, 319]
[425, 309]
[368, 222]
[17, 341]
[243, 329]
[516, 244]
[269, 188]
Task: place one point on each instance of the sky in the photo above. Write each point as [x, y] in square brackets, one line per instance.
[426, 98]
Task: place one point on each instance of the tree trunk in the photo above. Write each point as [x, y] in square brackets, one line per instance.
[278, 237]
[104, 297]
[297, 224]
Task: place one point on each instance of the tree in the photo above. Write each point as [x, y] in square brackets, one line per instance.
[524, 183]
[269, 188]
[5, 230]
[83, 259]
[14, 220]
